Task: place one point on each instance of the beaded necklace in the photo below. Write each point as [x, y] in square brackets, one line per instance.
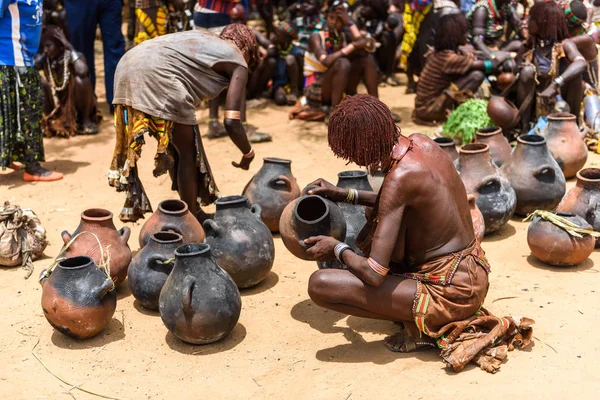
[333, 43]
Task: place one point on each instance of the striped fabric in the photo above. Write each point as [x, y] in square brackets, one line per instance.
[220, 6]
[20, 30]
[441, 68]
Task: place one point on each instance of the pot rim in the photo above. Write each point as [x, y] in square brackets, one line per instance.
[175, 237]
[183, 210]
[444, 141]
[316, 221]
[79, 262]
[488, 131]
[585, 179]
[352, 174]
[229, 200]
[565, 214]
[192, 250]
[561, 117]
[106, 215]
[536, 142]
[276, 160]
[478, 148]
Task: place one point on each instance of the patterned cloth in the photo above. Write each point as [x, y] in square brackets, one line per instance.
[413, 18]
[131, 126]
[494, 24]
[21, 110]
[146, 28]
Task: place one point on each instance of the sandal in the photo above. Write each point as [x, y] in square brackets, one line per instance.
[402, 342]
[52, 176]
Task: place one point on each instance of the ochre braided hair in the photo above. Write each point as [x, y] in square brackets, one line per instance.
[362, 130]
[244, 39]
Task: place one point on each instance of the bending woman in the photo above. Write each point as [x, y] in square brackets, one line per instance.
[158, 86]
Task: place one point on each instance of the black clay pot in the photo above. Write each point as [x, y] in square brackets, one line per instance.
[354, 214]
[151, 267]
[173, 215]
[78, 298]
[199, 302]
[535, 176]
[240, 242]
[272, 188]
[310, 216]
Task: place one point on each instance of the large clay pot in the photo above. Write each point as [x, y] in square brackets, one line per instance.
[505, 79]
[354, 214]
[536, 177]
[565, 142]
[199, 302]
[240, 242]
[477, 219]
[151, 267]
[584, 198]
[499, 147]
[447, 144]
[272, 188]
[99, 222]
[310, 216]
[493, 193]
[553, 245]
[173, 215]
[502, 112]
[78, 298]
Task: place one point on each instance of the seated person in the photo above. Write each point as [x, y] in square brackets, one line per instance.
[423, 266]
[306, 15]
[70, 104]
[449, 75]
[549, 62]
[486, 23]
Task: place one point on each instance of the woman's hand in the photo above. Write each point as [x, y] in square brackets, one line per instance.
[550, 91]
[60, 36]
[326, 189]
[322, 249]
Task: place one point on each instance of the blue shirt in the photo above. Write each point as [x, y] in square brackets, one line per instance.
[20, 31]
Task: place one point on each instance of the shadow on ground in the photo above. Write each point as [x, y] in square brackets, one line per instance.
[233, 339]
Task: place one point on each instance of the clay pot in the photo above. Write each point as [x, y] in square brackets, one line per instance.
[477, 218]
[310, 216]
[493, 193]
[499, 147]
[199, 302]
[272, 188]
[78, 298]
[502, 112]
[554, 246]
[114, 242]
[150, 268]
[173, 215]
[240, 242]
[505, 79]
[447, 144]
[565, 142]
[354, 214]
[584, 198]
[536, 177]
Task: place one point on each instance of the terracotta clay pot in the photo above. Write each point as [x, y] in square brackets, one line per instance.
[199, 302]
[447, 144]
[554, 246]
[78, 298]
[173, 215]
[114, 242]
[502, 112]
[240, 242]
[535, 176]
[354, 214]
[493, 193]
[150, 267]
[499, 147]
[477, 218]
[310, 216]
[505, 79]
[565, 142]
[272, 188]
[584, 198]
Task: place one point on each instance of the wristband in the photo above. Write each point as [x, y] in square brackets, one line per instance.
[231, 114]
[352, 196]
[348, 49]
[339, 249]
[559, 80]
[377, 268]
[488, 66]
[74, 56]
[249, 154]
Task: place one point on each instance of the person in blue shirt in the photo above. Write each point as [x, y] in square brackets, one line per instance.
[21, 98]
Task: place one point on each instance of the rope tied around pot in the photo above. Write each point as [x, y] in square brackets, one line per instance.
[571, 228]
[103, 265]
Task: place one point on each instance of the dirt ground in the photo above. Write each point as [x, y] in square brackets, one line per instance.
[284, 346]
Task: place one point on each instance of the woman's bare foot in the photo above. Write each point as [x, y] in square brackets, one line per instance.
[37, 173]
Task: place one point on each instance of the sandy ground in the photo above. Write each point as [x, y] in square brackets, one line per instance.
[284, 346]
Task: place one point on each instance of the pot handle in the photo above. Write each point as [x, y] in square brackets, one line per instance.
[106, 287]
[544, 170]
[44, 277]
[186, 301]
[256, 210]
[489, 182]
[66, 236]
[166, 263]
[583, 132]
[125, 232]
[282, 180]
[471, 199]
[172, 228]
[210, 225]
